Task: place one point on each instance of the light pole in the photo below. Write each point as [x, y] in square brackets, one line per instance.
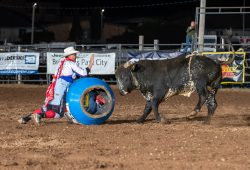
[201, 25]
[102, 11]
[244, 5]
[33, 20]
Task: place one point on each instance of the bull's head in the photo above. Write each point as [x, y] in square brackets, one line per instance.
[124, 79]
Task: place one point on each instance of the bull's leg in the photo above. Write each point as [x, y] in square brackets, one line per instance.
[158, 117]
[203, 93]
[211, 105]
[155, 105]
[147, 110]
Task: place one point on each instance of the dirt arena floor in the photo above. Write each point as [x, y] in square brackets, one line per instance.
[121, 143]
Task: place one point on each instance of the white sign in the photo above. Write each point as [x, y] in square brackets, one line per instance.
[19, 63]
[104, 62]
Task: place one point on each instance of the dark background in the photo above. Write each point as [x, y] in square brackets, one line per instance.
[155, 19]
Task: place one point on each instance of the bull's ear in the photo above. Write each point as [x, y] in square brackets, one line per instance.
[137, 68]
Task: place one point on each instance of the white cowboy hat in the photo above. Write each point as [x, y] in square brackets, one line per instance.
[68, 51]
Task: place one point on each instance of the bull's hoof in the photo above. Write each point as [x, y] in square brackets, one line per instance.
[190, 118]
[206, 121]
[165, 121]
[158, 120]
[140, 121]
[191, 115]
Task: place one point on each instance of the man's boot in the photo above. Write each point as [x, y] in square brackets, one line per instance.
[37, 115]
[37, 118]
[68, 117]
[25, 119]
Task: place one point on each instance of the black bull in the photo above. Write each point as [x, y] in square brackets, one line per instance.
[158, 80]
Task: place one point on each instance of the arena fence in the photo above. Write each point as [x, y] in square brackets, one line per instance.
[119, 50]
[42, 76]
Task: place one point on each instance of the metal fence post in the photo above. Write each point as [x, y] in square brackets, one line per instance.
[202, 25]
[141, 42]
[156, 44]
[19, 76]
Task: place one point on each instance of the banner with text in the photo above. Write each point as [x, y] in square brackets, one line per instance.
[234, 72]
[19, 63]
[104, 62]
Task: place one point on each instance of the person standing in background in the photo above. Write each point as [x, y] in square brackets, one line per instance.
[190, 32]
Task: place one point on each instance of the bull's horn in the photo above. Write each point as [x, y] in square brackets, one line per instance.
[127, 64]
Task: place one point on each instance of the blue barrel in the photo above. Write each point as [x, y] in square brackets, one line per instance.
[82, 107]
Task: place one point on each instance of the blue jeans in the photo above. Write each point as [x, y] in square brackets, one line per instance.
[92, 108]
[188, 44]
[59, 92]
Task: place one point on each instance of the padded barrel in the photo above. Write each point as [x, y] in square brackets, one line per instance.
[78, 101]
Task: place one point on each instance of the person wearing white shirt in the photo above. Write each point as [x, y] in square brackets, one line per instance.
[55, 95]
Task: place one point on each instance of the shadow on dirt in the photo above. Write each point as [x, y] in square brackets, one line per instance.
[225, 120]
[134, 121]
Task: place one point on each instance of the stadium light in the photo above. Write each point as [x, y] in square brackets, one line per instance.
[102, 11]
[33, 21]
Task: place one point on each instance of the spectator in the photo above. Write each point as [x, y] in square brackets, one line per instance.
[190, 32]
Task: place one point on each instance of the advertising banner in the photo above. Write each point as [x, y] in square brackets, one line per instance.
[104, 62]
[233, 73]
[19, 63]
